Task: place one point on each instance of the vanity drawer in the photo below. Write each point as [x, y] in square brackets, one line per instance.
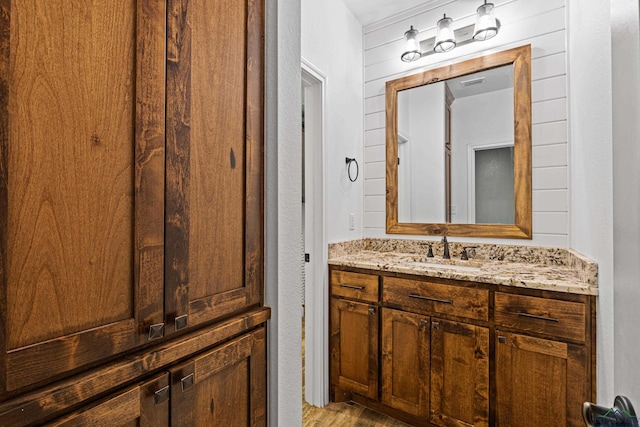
[433, 298]
[354, 285]
[562, 319]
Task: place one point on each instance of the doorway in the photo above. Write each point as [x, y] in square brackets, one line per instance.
[315, 294]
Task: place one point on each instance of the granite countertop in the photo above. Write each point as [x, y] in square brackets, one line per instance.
[554, 269]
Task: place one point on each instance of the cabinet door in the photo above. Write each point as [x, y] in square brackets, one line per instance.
[539, 382]
[224, 387]
[354, 347]
[459, 374]
[214, 211]
[81, 182]
[145, 405]
[405, 361]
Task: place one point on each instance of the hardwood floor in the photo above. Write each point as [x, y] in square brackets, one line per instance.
[343, 414]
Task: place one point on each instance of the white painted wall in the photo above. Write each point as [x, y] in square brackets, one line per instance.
[590, 114]
[541, 24]
[282, 212]
[626, 196]
[332, 42]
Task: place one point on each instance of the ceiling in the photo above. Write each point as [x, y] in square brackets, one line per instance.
[369, 11]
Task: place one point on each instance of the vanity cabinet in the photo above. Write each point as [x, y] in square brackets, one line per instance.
[556, 364]
[354, 334]
[131, 184]
[449, 359]
[462, 353]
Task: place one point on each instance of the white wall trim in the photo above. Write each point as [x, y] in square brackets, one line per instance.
[316, 297]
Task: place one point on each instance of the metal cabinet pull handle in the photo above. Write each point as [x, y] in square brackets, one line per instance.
[533, 316]
[344, 285]
[161, 395]
[443, 301]
[372, 311]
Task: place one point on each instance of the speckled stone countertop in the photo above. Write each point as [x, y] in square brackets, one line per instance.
[554, 269]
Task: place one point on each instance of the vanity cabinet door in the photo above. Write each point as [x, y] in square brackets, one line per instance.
[354, 347]
[539, 382]
[405, 361]
[459, 374]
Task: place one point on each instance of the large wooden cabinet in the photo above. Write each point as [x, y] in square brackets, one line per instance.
[131, 175]
[457, 353]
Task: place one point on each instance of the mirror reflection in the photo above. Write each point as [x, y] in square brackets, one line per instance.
[458, 148]
[455, 150]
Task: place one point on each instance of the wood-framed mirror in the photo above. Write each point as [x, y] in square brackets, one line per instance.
[458, 149]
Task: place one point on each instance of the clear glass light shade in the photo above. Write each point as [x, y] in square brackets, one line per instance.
[445, 39]
[486, 25]
[412, 51]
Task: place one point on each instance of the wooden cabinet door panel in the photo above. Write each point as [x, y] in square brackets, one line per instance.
[145, 405]
[459, 374]
[354, 347]
[81, 148]
[405, 361]
[539, 382]
[214, 212]
[223, 387]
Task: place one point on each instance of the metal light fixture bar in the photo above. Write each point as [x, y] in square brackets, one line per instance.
[463, 35]
[486, 27]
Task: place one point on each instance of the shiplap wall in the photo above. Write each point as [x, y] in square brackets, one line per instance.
[540, 23]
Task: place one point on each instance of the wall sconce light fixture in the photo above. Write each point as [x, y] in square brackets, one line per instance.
[486, 27]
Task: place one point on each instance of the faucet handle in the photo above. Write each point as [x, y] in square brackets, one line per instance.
[464, 255]
[430, 252]
[444, 239]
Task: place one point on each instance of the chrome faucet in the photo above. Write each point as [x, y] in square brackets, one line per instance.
[446, 255]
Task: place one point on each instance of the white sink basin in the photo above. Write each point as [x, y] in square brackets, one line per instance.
[445, 266]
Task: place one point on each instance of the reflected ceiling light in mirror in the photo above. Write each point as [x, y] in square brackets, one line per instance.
[486, 27]
[445, 38]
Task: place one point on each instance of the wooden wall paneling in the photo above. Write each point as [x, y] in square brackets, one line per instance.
[68, 273]
[5, 81]
[149, 165]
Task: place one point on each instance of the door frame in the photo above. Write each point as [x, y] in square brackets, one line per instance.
[316, 297]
